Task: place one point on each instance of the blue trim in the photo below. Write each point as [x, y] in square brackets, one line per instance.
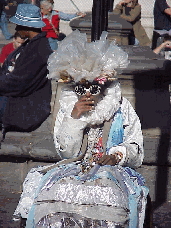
[116, 131]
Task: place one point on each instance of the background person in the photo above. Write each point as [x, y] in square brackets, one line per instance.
[98, 136]
[23, 78]
[163, 46]
[162, 20]
[3, 21]
[51, 18]
[164, 49]
[7, 49]
[130, 10]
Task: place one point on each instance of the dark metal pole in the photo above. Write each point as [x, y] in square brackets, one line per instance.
[99, 18]
[110, 5]
[95, 30]
[104, 18]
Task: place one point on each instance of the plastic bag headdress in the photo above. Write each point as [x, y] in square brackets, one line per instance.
[76, 59]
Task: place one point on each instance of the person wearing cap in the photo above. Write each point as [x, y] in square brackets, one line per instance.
[23, 80]
[98, 136]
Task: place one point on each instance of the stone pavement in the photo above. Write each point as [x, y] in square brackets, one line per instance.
[156, 169]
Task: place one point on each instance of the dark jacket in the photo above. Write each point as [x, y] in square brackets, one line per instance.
[161, 19]
[26, 87]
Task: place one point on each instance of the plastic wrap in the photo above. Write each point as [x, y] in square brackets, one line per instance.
[80, 59]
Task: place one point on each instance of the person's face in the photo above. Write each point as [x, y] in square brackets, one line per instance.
[17, 42]
[23, 33]
[44, 10]
[90, 91]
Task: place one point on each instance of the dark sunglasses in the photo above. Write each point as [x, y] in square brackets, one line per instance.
[82, 90]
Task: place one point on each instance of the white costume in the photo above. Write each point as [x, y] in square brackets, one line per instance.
[69, 194]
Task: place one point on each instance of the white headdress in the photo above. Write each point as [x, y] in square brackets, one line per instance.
[76, 59]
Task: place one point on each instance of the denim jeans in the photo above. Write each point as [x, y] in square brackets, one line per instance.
[133, 41]
[4, 26]
[3, 101]
[53, 43]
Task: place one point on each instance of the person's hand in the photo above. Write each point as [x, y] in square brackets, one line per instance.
[167, 44]
[83, 105]
[112, 159]
[81, 14]
[121, 3]
[108, 160]
[7, 7]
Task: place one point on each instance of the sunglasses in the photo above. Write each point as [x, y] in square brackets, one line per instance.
[82, 90]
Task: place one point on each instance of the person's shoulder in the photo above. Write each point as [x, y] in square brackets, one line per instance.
[8, 46]
[43, 44]
[159, 2]
[128, 111]
[137, 6]
[125, 103]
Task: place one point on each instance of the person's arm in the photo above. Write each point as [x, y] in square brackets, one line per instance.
[163, 6]
[3, 55]
[163, 45]
[168, 11]
[68, 17]
[118, 8]
[68, 132]
[132, 147]
[134, 14]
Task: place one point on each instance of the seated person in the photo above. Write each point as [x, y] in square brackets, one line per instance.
[162, 20]
[23, 80]
[164, 47]
[52, 18]
[130, 10]
[8, 48]
[99, 139]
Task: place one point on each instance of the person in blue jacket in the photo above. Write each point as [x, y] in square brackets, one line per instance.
[3, 21]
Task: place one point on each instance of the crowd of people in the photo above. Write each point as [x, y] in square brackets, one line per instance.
[97, 133]
[130, 10]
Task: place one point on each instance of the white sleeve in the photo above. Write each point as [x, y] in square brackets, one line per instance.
[68, 132]
[132, 146]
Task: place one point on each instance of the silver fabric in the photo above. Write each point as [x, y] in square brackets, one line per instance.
[59, 220]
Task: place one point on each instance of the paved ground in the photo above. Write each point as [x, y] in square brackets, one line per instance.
[158, 179]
